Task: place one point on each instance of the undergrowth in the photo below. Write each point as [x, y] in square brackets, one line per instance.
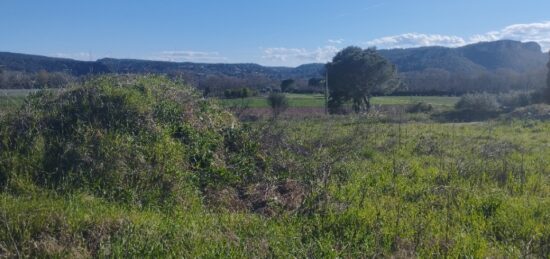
[144, 167]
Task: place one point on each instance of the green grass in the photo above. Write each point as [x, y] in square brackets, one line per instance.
[433, 100]
[428, 190]
[294, 100]
[150, 170]
[10, 98]
[318, 101]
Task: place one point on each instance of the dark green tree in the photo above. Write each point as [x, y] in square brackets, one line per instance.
[315, 82]
[355, 75]
[278, 103]
[43, 78]
[245, 92]
[547, 90]
[287, 85]
[206, 91]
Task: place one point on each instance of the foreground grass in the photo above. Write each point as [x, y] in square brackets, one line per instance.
[318, 101]
[83, 226]
[417, 189]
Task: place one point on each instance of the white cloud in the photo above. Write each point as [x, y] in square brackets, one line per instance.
[336, 41]
[370, 7]
[295, 56]
[189, 56]
[409, 40]
[537, 32]
[85, 56]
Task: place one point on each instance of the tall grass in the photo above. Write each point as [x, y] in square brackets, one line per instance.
[343, 186]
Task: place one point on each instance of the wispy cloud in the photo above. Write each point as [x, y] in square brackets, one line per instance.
[370, 7]
[189, 56]
[336, 41]
[295, 56]
[537, 32]
[85, 56]
[409, 40]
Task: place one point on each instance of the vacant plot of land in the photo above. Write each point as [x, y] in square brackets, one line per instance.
[427, 190]
[151, 171]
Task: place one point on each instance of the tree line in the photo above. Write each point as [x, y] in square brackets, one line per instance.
[547, 90]
[356, 74]
[23, 80]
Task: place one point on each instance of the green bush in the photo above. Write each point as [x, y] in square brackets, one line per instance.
[512, 100]
[420, 107]
[482, 102]
[137, 140]
[278, 103]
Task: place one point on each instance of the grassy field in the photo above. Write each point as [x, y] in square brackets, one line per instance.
[14, 97]
[428, 190]
[318, 101]
[148, 171]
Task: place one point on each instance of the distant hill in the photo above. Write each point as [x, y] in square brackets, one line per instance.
[202, 69]
[484, 56]
[486, 66]
[506, 64]
[35, 63]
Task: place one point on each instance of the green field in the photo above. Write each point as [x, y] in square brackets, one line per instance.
[427, 190]
[318, 101]
[10, 98]
[152, 170]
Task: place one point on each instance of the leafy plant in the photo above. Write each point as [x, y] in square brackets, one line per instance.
[278, 103]
[483, 102]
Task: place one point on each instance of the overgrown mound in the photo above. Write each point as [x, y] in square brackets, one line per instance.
[144, 141]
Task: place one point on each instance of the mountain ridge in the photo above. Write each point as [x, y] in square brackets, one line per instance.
[416, 65]
[482, 55]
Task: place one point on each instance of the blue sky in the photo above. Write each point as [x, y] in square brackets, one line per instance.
[269, 32]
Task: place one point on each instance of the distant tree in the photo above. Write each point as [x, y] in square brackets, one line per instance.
[242, 92]
[355, 74]
[228, 93]
[278, 103]
[42, 79]
[315, 82]
[547, 92]
[287, 85]
[479, 102]
[206, 91]
[245, 92]
[2, 80]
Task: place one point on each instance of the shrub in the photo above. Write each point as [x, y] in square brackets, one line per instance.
[420, 107]
[239, 93]
[512, 100]
[278, 103]
[144, 141]
[482, 102]
[546, 91]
